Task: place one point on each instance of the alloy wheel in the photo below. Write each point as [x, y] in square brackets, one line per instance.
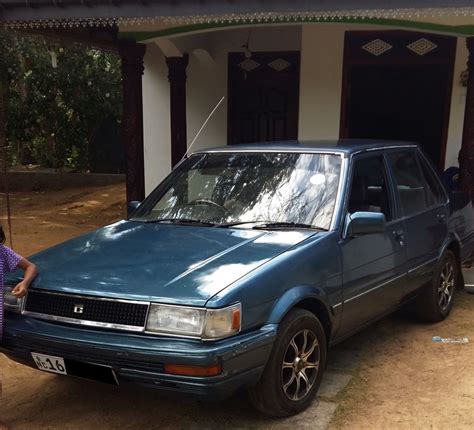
[300, 365]
[446, 285]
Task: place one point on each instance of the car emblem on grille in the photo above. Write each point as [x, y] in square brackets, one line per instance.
[79, 309]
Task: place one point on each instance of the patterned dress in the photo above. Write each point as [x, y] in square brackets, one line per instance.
[9, 261]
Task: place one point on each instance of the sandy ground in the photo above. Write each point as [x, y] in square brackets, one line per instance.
[407, 381]
[403, 380]
[43, 219]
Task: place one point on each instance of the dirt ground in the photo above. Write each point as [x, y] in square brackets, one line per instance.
[45, 218]
[407, 381]
[403, 380]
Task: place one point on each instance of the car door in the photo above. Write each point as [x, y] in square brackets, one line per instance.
[373, 264]
[423, 203]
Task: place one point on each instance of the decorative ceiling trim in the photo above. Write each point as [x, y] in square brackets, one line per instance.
[401, 14]
[462, 30]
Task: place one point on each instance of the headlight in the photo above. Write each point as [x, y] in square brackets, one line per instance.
[175, 320]
[11, 302]
[206, 324]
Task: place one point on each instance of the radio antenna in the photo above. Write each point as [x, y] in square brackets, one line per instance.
[203, 125]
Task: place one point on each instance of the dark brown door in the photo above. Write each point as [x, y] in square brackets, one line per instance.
[263, 97]
[397, 85]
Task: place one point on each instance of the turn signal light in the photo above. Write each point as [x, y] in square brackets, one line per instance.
[236, 319]
[184, 370]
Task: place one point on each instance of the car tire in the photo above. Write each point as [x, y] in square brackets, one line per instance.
[295, 368]
[436, 299]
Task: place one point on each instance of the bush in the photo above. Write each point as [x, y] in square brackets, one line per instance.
[53, 113]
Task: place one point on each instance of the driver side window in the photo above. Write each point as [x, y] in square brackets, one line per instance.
[369, 191]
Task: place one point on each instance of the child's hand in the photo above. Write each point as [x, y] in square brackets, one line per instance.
[20, 290]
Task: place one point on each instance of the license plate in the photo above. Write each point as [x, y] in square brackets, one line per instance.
[50, 363]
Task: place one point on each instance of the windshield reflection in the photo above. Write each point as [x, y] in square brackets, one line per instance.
[233, 188]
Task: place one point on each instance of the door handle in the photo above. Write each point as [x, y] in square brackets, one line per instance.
[399, 236]
[441, 217]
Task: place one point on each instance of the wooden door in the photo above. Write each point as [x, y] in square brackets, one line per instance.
[263, 97]
[397, 85]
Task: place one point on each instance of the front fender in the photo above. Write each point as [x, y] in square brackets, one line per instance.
[294, 296]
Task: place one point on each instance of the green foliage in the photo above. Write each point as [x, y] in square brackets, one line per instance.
[52, 113]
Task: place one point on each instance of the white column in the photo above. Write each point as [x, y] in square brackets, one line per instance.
[458, 103]
[156, 118]
[322, 50]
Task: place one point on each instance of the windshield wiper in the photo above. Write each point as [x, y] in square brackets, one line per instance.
[233, 224]
[269, 224]
[179, 221]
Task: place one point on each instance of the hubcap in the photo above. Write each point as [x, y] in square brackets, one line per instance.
[300, 365]
[446, 286]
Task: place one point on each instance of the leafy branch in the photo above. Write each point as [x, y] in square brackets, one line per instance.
[52, 113]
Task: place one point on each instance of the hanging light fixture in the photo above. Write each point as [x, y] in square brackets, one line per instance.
[246, 48]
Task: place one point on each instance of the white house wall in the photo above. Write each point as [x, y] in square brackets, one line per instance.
[322, 51]
[207, 81]
[156, 118]
[322, 54]
[205, 86]
[458, 103]
[322, 58]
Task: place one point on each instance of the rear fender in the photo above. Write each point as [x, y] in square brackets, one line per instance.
[448, 243]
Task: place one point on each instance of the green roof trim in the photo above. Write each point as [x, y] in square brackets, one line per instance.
[460, 30]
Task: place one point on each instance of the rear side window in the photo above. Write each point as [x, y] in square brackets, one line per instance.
[410, 181]
[434, 192]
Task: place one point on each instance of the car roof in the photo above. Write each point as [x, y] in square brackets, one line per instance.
[344, 146]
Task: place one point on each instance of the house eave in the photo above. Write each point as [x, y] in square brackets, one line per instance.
[100, 13]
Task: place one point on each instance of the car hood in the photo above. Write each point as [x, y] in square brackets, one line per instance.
[166, 263]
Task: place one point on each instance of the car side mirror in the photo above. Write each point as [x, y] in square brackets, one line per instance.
[362, 223]
[132, 206]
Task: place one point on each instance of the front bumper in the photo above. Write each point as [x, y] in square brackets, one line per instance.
[138, 358]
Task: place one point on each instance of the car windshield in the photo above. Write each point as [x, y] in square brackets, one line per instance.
[244, 188]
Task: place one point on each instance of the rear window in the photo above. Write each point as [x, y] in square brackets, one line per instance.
[410, 181]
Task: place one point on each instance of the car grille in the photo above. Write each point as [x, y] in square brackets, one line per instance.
[72, 307]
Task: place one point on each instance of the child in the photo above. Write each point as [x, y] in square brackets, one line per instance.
[9, 261]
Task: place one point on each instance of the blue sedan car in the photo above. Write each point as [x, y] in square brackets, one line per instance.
[241, 269]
